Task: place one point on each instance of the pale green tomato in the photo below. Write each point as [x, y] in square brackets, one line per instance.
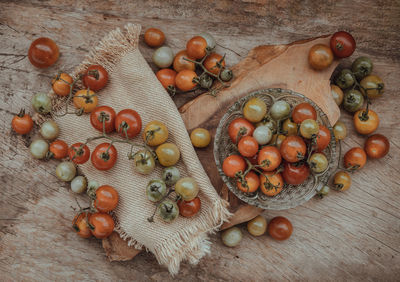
[187, 188]
[163, 57]
[156, 190]
[318, 162]
[171, 175]
[39, 148]
[66, 171]
[144, 162]
[49, 130]
[168, 210]
[41, 103]
[262, 134]
[211, 43]
[91, 188]
[231, 237]
[79, 184]
[309, 128]
[280, 110]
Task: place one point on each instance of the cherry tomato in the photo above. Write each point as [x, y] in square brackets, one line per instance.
[277, 140]
[262, 134]
[214, 63]
[144, 162]
[104, 156]
[168, 210]
[345, 79]
[280, 110]
[355, 158]
[128, 123]
[366, 123]
[257, 226]
[272, 184]
[80, 225]
[373, 85]
[106, 198]
[295, 173]
[168, 154]
[95, 77]
[248, 146]
[85, 99]
[323, 138]
[154, 37]
[377, 146]
[189, 208]
[187, 188]
[79, 153]
[309, 128]
[180, 63]
[58, 149]
[318, 162]
[100, 114]
[155, 133]
[353, 100]
[280, 228]
[62, 84]
[342, 44]
[340, 130]
[22, 123]
[361, 67]
[41, 103]
[337, 94]
[167, 78]
[103, 225]
[231, 237]
[289, 127]
[255, 110]
[43, 52]
[196, 47]
[269, 158]
[163, 57]
[233, 164]
[320, 56]
[186, 80]
[200, 137]
[302, 112]
[293, 149]
[240, 125]
[342, 181]
[250, 184]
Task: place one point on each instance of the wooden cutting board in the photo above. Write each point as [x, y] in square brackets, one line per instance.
[267, 66]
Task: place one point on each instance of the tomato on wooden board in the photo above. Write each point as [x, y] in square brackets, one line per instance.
[240, 124]
[323, 138]
[271, 183]
[293, 149]
[43, 52]
[22, 123]
[233, 164]
[377, 146]
[128, 123]
[355, 158]
[342, 181]
[186, 80]
[95, 77]
[154, 37]
[320, 56]
[166, 77]
[103, 225]
[180, 63]
[104, 156]
[248, 146]
[295, 173]
[251, 183]
[106, 198]
[80, 225]
[189, 208]
[214, 63]
[196, 47]
[342, 44]
[79, 153]
[58, 149]
[302, 112]
[280, 228]
[61, 84]
[100, 114]
[269, 158]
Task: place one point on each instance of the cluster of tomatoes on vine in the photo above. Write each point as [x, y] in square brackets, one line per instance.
[195, 67]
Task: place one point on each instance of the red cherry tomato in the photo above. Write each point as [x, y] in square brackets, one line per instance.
[59, 149]
[103, 225]
[22, 123]
[189, 208]
[269, 158]
[293, 149]
[295, 173]
[166, 77]
[248, 146]
[196, 47]
[233, 164]
[101, 113]
[377, 146]
[128, 120]
[323, 138]
[79, 153]
[280, 228]
[95, 77]
[104, 156]
[342, 44]
[43, 52]
[302, 112]
[106, 198]
[236, 125]
[355, 158]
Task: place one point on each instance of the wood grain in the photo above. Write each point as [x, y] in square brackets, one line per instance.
[347, 236]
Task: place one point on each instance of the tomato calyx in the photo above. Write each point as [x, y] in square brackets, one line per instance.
[94, 73]
[21, 113]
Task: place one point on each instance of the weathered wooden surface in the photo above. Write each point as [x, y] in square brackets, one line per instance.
[351, 235]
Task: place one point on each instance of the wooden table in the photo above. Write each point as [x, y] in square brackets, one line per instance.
[351, 235]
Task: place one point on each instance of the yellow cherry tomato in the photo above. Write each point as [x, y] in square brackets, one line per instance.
[255, 110]
[200, 137]
[85, 99]
[168, 154]
[155, 132]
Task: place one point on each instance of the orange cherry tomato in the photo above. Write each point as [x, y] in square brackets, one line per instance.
[103, 225]
[213, 63]
[302, 112]
[295, 173]
[79, 153]
[252, 182]
[240, 124]
[233, 164]
[185, 80]
[280, 228]
[154, 37]
[106, 198]
[81, 226]
[22, 123]
[274, 185]
[365, 123]
[166, 77]
[269, 158]
[293, 149]
[196, 47]
[320, 56]
[59, 149]
[189, 208]
[180, 63]
[61, 84]
[377, 146]
[85, 99]
[323, 138]
[248, 146]
[43, 52]
[355, 158]
[104, 156]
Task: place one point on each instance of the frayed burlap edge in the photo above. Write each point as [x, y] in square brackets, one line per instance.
[188, 244]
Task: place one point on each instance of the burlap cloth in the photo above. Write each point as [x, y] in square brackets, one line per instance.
[133, 85]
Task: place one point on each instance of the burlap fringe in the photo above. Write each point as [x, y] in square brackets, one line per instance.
[189, 244]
